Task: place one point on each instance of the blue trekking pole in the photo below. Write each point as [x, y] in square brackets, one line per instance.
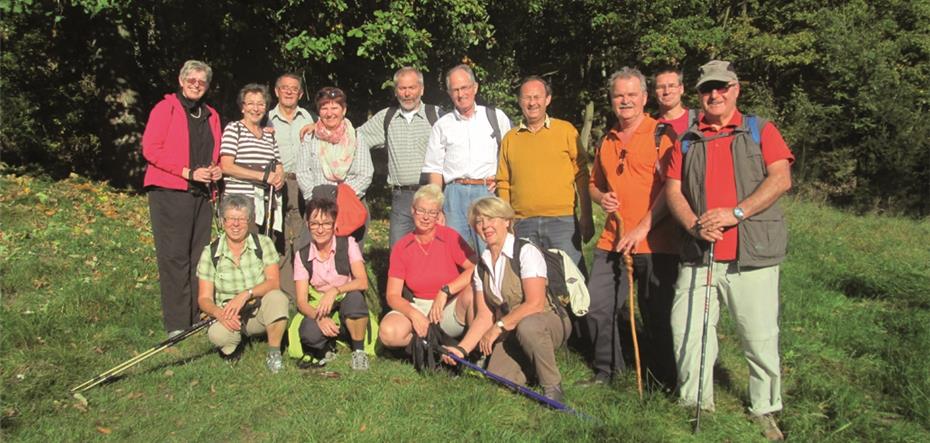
[557, 405]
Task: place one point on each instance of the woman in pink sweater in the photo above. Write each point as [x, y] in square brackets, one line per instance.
[181, 145]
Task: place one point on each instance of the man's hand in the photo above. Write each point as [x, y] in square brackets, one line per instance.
[492, 185]
[718, 219]
[628, 241]
[308, 128]
[609, 202]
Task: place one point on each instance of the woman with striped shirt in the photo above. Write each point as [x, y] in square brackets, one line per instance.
[247, 151]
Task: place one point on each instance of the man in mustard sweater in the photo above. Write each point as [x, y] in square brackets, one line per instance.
[542, 171]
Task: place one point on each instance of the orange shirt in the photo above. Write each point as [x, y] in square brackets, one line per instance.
[630, 171]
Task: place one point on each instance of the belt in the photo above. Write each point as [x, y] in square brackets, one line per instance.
[405, 187]
[474, 181]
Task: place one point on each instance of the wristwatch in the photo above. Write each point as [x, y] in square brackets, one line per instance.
[500, 324]
[445, 288]
[739, 214]
[251, 294]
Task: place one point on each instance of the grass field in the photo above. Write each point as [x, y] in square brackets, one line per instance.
[80, 295]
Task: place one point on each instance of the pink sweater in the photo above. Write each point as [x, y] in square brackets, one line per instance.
[166, 143]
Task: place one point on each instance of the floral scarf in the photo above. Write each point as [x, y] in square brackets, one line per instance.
[337, 150]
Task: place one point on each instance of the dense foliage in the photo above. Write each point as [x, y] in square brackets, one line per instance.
[846, 81]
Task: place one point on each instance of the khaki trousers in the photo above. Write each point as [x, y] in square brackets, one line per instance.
[530, 350]
[272, 309]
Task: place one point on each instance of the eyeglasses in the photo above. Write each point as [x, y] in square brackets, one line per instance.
[421, 211]
[235, 220]
[254, 104]
[706, 88]
[462, 89]
[294, 89]
[325, 225]
[621, 165]
[195, 82]
[667, 86]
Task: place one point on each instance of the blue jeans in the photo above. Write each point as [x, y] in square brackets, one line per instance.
[553, 232]
[401, 218]
[458, 200]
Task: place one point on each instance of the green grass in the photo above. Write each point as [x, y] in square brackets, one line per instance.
[80, 295]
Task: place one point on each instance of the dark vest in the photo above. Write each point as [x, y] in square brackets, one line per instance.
[763, 238]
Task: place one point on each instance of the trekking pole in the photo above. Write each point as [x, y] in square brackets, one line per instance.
[554, 404]
[628, 262]
[269, 196]
[709, 280]
[116, 370]
[214, 194]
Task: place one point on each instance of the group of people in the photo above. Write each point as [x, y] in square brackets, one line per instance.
[690, 197]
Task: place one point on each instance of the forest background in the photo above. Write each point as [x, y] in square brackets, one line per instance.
[846, 81]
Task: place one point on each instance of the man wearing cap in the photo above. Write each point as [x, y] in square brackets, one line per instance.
[669, 87]
[404, 131]
[541, 171]
[288, 118]
[725, 177]
[626, 180]
[462, 151]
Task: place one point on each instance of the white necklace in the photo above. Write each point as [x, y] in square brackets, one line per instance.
[199, 112]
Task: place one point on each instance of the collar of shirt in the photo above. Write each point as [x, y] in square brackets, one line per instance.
[644, 126]
[277, 114]
[479, 110]
[223, 248]
[734, 123]
[315, 253]
[523, 127]
[506, 250]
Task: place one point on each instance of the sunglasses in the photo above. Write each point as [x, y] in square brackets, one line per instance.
[720, 87]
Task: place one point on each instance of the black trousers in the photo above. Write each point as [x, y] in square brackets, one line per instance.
[654, 276]
[181, 227]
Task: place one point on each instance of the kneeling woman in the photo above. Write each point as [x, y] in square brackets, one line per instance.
[317, 273]
[516, 324]
[435, 264]
[235, 270]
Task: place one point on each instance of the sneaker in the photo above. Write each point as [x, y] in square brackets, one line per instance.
[274, 362]
[359, 361]
[769, 427]
[599, 379]
[554, 393]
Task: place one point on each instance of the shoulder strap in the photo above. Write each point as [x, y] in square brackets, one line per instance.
[258, 245]
[692, 117]
[495, 125]
[304, 254]
[388, 116]
[659, 132]
[214, 245]
[343, 267]
[515, 261]
[753, 122]
[432, 114]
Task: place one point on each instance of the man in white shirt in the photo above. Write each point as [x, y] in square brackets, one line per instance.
[462, 151]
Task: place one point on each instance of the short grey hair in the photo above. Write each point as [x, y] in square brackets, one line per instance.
[252, 88]
[462, 67]
[196, 65]
[239, 202]
[678, 72]
[290, 75]
[408, 70]
[625, 72]
[431, 192]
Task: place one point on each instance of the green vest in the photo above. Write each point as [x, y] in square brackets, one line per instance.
[763, 237]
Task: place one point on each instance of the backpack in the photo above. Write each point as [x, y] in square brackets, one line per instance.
[295, 348]
[495, 125]
[752, 121]
[565, 284]
[215, 245]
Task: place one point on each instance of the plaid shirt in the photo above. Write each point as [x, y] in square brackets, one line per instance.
[229, 279]
[407, 146]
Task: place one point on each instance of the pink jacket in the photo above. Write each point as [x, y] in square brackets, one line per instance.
[166, 143]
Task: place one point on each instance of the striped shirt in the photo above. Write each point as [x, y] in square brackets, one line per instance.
[247, 151]
[230, 279]
[310, 173]
[407, 143]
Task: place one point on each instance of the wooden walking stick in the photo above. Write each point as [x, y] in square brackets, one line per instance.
[628, 261]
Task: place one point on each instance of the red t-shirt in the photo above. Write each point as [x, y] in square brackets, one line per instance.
[425, 269]
[720, 181]
[679, 125]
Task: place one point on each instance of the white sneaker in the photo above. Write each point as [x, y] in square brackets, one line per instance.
[359, 361]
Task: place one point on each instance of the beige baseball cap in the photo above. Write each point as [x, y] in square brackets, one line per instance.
[717, 71]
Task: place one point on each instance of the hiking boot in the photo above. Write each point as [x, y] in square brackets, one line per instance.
[359, 361]
[554, 393]
[599, 379]
[274, 362]
[769, 427]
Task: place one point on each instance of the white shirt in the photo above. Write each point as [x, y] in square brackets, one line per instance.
[532, 264]
[462, 147]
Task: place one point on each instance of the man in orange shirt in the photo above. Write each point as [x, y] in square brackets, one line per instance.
[627, 181]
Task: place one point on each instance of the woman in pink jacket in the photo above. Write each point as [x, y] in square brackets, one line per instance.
[181, 145]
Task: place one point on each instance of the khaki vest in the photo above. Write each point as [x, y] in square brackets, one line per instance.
[511, 289]
[763, 238]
